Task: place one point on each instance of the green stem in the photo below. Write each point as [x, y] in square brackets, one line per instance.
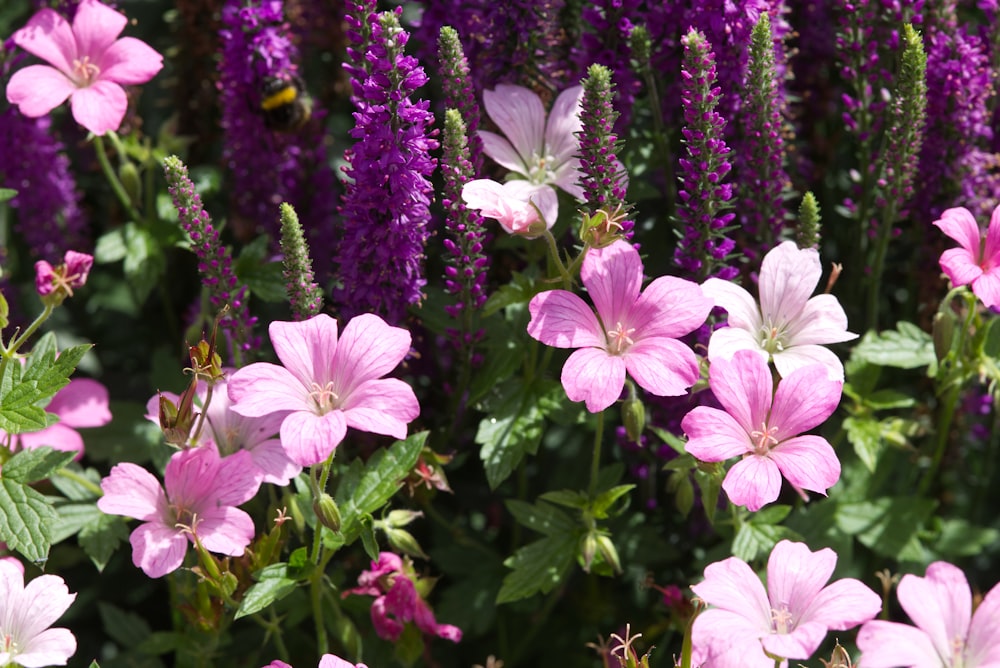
[948, 407]
[554, 254]
[878, 266]
[201, 416]
[324, 476]
[595, 463]
[69, 474]
[116, 184]
[7, 352]
[316, 597]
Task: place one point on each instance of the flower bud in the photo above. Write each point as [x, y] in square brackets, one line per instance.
[943, 332]
[609, 553]
[327, 512]
[587, 551]
[176, 421]
[634, 417]
[128, 174]
[403, 541]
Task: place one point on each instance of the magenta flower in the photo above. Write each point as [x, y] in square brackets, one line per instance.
[72, 273]
[391, 582]
[947, 633]
[788, 326]
[82, 403]
[326, 661]
[86, 64]
[633, 330]
[977, 260]
[229, 432]
[764, 429]
[202, 492]
[26, 613]
[326, 385]
[520, 207]
[789, 620]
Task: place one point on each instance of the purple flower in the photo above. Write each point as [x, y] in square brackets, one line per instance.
[633, 330]
[202, 492]
[328, 384]
[385, 206]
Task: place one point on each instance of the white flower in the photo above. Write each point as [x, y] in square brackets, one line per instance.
[26, 613]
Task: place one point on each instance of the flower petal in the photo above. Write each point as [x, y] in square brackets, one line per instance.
[130, 61]
[273, 463]
[262, 388]
[50, 37]
[753, 482]
[52, 647]
[727, 341]
[987, 288]
[613, 277]
[369, 348]
[982, 647]
[959, 224]
[158, 549]
[42, 603]
[38, 89]
[561, 319]
[306, 348]
[662, 366]
[940, 604]
[713, 435]
[594, 376]
[822, 321]
[800, 643]
[132, 491]
[237, 480]
[960, 267]
[82, 403]
[743, 387]
[100, 107]
[519, 114]
[95, 27]
[309, 438]
[790, 360]
[804, 399]
[502, 152]
[740, 306]
[889, 645]
[808, 462]
[561, 141]
[671, 307]
[788, 275]
[843, 605]
[58, 437]
[991, 249]
[383, 406]
[225, 530]
[795, 576]
[731, 585]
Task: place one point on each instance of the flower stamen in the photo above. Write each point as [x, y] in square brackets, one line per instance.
[86, 71]
[324, 397]
[620, 338]
[763, 439]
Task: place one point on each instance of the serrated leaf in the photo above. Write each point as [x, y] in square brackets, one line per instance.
[605, 500]
[520, 290]
[888, 399]
[29, 466]
[111, 246]
[541, 517]
[960, 538]
[865, 435]
[711, 487]
[26, 519]
[144, 261]
[567, 498]
[368, 540]
[71, 518]
[679, 483]
[757, 539]
[537, 567]
[77, 484]
[513, 430]
[371, 488]
[888, 526]
[906, 347]
[770, 515]
[127, 628]
[273, 584]
[101, 537]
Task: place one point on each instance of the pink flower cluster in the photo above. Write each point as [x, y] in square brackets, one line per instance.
[392, 582]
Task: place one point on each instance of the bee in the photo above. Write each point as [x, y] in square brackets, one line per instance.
[285, 104]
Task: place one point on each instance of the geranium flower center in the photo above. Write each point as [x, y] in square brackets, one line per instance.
[957, 652]
[85, 71]
[186, 520]
[782, 619]
[772, 337]
[540, 168]
[620, 338]
[324, 397]
[763, 439]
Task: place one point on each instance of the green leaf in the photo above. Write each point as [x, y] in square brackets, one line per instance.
[29, 466]
[567, 498]
[366, 492]
[865, 435]
[26, 520]
[541, 517]
[18, 412]
[888, 399]
[273, 584]
[991, 340]
[162, 642]
[144, 261]
[513, 430]
[72, 517]
[101, 537]
[127, 628]
[265, 279]
[907, 347]
[710, 486]
[959, 538]
[503, 356]
[7, 194]
[111, 246]
[78, 484]
[889, 526]
[758, 539]
[520, 290]
[4, 308]
[770, 515]
[604, 501]
[538, 567]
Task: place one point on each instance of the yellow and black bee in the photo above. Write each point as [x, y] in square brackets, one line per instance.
[285, 104]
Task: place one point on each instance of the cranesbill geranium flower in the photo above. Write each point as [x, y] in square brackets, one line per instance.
[788, 326]
[977, 260]
[326, 661]
[327, 385]
[26, 613]
[789, 620]
[520, 207]
[764, 429]
[633, 330]
[86, 64]
[947, 633]
[202, 492]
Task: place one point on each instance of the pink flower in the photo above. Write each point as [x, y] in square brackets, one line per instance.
[26, 613]
[977, 261]
[519, 207]
[543, 151]
[789, 620]
[763, 429]
[788, 326]
[633, 331]
[391, 582]
[326, 661]
[947, 633]
[82, 403]
[202, 492]
[72, 273]
[88, 65]
[326, 385]
[229, 432]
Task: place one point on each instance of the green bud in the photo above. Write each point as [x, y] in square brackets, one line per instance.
[943, 333]
[634, 417]
[401, 518]
[128, 174]
[588, 550]
[228, 584]
[609, 553]
[327, 512]
[403, 541]
[176, 421]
